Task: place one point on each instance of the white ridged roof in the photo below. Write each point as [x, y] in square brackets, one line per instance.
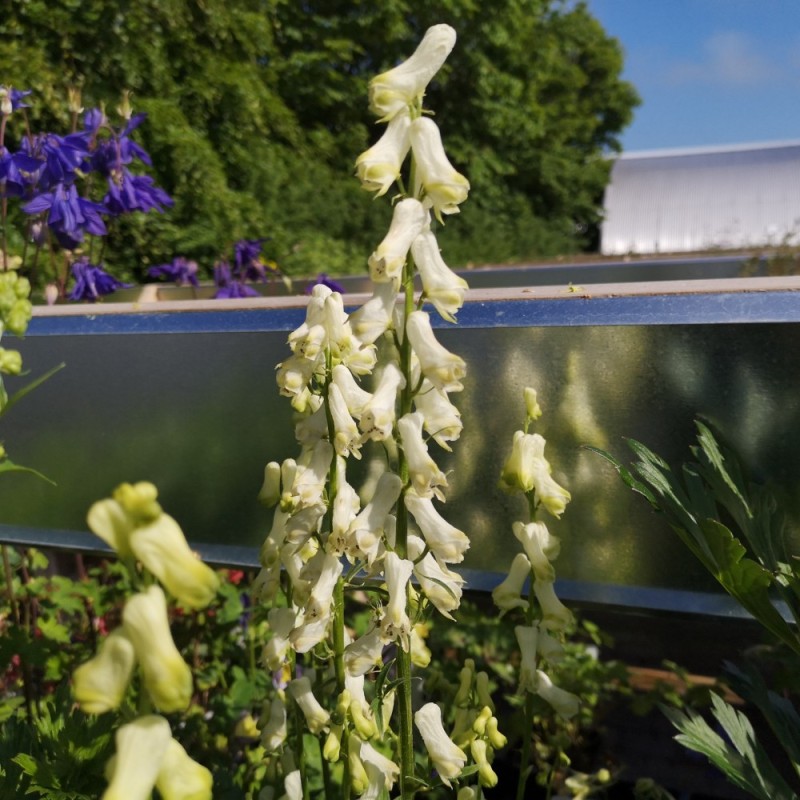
[677, 201]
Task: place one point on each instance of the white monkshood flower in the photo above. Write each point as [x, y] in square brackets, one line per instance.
[318, 608]
[108, 520]
[275, 731]
[446, 541]
[374, 318]
[364, 653]
[395, 625]
[441, 419]
[313, 425]
[527, 638]
[345, 509]
[294, 374]
[378, 416]
[141, 748]
[549, 648]
[270, 493]
[379, 167]
[355, 397]
[167, 676]
[359, 780]
[182, 778]
[163, 549]
[448, 759]
[440, 284]
[441, 367]
[293, 786]
[555, 615]
[564, 703]
[368, 527]
[281, 623]
[270, 551]
[426, 477]
[532, 408]
[408, 220]
[359, 708]
[508, 594]
[420, 652]
[382, 772]
[308, 342]
[540, 546]
[100, 684]
[445, 188]
[346, 439]
[527, 469]
[441, 585]
[393, 91]
[309, 482]
[317, 718]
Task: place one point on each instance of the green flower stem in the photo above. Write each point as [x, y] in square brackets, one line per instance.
[401, 546]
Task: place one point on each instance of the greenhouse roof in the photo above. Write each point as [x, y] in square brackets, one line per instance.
[676, 201]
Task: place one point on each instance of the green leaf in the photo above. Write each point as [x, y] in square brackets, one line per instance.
[7, 465]
[625, 474]
[712, 451]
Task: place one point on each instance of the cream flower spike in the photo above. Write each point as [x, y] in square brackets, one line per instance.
[167, 676]
[408, 220]
[440, 284]
[441, 367]
[393, 91]
[141, 749]
[100, 684]
[379, 167]
[448, 759]
[443, 186]
[182, 778]
[426, 477]
[163, 549]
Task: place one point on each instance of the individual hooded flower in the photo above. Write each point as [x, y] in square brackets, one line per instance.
[443, 186]
[446, 541]
[162, 549]
[408, 220]
[141, 749]
[393, 91]
[358, 706]
[368, 526]
[555, 615]
[100, 684]
[527, 637]
[541, 547]
[361, 655]
[167, 676]
[374, 318]
[318, 608]
[294, 374]
[441, 585]
[440, 285]
[381, 772]
[448, 759]
[275, 731]
[441, 367]
[379, 167]
[426, 477]
[395, 625]
[317, 718]
[564, 703]
[354, 396]
[92, 282]
[441, 419]
[508, 594]
[182, 778]
[487, 777]
[346, 439]
[281, 623]
[378, 415]
[180, 271]
[309, 482]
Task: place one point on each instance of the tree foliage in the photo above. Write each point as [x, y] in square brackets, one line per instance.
[256, 115]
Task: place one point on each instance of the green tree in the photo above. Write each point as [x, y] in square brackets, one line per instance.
[256, 115]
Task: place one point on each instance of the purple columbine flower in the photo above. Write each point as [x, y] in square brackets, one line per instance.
[92, 281]
[59, 157]
[323, 279]
[70, 216]
[228, 285]
[248, 261]
[182, 271]
[11, 99]
[16, 171]
[128, 193]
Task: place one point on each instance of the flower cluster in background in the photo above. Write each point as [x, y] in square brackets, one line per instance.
[69, 187]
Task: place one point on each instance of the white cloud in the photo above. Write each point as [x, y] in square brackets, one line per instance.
[729, 59]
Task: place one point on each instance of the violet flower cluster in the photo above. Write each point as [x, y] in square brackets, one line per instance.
[69, 186]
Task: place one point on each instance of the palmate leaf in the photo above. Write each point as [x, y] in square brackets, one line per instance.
[713, 453]
[626, 475]
[742, 761]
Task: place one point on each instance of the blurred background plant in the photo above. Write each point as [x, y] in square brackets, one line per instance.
[242, 96]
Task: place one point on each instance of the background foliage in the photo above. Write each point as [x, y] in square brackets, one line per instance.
[257, 113]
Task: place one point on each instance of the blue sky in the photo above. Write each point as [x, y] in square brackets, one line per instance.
[708, 71]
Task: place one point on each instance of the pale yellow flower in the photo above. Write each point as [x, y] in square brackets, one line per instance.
[182, 778]
[447, 758]
[141, 747]
[408, 220]
[99, 685]
[379, 167]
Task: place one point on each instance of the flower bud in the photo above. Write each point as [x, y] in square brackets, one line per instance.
[333, 744]
[487, 777]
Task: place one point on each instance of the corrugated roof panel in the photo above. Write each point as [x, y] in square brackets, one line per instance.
[690, 200]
